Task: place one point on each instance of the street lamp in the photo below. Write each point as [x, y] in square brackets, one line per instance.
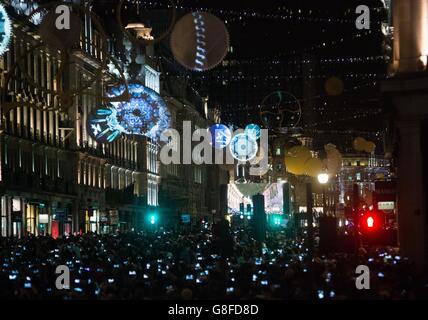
[323, 179]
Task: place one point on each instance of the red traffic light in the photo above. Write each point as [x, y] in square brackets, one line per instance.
[370, 221]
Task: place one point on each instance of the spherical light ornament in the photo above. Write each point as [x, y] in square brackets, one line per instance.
[220, 136]
[333, 162]
[243, 147]
[359, 144]
[280, 109]
[295, 159]
[144, 114]
[199, 41]
[370, 147]
[294, 165]
[63, 37]
[334, 86]
[313, 167]
[253, 130]
[103, 125]
[300, 152]
[5, 30]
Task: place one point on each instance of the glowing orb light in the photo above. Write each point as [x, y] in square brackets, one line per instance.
[221, 136]
[103, 125]
[243, 147]
[323, 178]
[253, 130]
[5, 30]
[145, 114]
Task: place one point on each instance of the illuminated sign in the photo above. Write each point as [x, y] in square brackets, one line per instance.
[144, 114]
[43, 218]
[386, 205]
[5, 30]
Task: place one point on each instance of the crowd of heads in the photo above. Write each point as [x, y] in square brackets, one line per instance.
[193, 264]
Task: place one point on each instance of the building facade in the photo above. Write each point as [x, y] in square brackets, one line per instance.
[55, 178]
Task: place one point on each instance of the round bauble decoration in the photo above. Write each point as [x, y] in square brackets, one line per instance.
[199, 41]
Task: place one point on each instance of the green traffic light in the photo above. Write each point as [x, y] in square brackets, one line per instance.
[153, 219]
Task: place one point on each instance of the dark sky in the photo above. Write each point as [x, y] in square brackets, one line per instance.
[269, 50]
[310, 30]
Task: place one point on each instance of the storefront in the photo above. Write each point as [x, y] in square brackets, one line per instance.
[36, 215]
[92, 220]
[62, 221]
[12, 216]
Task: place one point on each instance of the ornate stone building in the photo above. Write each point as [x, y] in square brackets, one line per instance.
[55, 178]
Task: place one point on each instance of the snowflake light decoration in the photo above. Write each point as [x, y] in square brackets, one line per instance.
[5, 30]
[103, 125]
[145, 114]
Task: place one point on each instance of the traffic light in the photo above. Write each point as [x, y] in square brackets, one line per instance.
[153, 218]
[372, 228]
[371, 221]
[275, 220]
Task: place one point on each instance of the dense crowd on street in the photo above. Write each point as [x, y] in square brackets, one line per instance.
[194, 264]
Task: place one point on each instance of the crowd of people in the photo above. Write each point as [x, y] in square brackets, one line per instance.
[193, 264]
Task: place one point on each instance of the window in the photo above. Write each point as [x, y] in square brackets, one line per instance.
[358, 176]
[278, 151]
[152, 191]
[197, 174]
[152, 79]
[151, 155]
[3, 221]
[31, 219]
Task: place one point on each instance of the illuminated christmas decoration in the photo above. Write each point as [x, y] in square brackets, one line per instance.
[144, 114]
[63, 36]
[27, 8]
[282, 13]
[5, 30]
[103, 125]
[199, 41]
[280, 109]
[221, 136]
[243, 147]
[253, 130]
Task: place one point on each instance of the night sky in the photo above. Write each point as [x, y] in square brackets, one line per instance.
[292, 46]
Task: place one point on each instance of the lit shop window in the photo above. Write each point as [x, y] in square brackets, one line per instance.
[152, 191]
[3, 221]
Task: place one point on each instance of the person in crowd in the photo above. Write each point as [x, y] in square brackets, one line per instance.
[192, 264]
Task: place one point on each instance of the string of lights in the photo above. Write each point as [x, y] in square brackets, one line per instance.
[329, 44]
[321, 45]
[281, 13]
[239, 107]
[336, 60]
[366, 114]
[225, 80]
